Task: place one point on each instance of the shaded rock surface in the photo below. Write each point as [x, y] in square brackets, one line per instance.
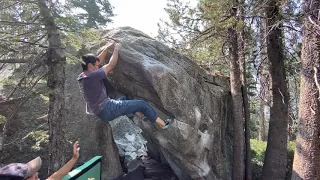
[133, 151]
[128, 137]
[152, 169]
[198, 143]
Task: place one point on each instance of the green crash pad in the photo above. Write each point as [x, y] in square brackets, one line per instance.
[91, 169]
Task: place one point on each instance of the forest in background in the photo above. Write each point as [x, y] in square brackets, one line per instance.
[268, 49]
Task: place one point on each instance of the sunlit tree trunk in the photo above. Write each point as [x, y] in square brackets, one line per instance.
[262, 130]
[236, 92]
[263, 79]
[306, 164]
[276, 154]
[246, 106]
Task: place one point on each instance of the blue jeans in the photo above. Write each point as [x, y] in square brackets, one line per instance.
[116, 108]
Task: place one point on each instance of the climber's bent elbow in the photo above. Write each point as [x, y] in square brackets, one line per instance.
[108, 68]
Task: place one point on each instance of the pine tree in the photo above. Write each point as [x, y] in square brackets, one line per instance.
[307, 157]
[276, 154]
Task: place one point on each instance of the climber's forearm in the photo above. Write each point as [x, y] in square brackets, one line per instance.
[102, 56]
[63, 171]
[113, 60]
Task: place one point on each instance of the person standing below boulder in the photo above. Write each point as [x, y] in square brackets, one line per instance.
[29, 171]
[95, 95]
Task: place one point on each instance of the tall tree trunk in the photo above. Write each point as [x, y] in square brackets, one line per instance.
[290, 124]
[56, 78]
[262, 130]
[236, 92]
[307, 153]
[248, 166]
[276, 154]
[263, 77]
[246, 106]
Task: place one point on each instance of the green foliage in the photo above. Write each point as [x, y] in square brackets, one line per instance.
[73, 40]
[93, 13]
[71, 59]
[40, 137]
[254, 117]
[45, 98]
[89, 35]
[6, 82]
[199, 32]
[258, 149]
[291, 148]
[69, 22]
[2, 119]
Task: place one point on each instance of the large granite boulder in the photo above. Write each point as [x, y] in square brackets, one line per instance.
[198, 144]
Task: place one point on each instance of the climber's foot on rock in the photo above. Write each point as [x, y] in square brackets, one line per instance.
[167, 123]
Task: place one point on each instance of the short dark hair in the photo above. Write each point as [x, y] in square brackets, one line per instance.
[87, 59]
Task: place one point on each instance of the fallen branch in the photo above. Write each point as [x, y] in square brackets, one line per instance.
[316, 81]
[314, 23]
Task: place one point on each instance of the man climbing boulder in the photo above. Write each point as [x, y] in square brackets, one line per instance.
[96, 97]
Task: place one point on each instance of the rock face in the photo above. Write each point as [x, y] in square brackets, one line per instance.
[198, 144]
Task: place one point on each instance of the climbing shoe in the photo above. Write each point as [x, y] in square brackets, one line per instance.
[167, 121]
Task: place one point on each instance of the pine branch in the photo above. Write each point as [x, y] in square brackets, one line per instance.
[22, 34]
[24, 99]
[36, 66]
[14, 60]
[28, 42]
[292, 28]
[2, 66]
[18, 23]
[8, 48]
[17, 2]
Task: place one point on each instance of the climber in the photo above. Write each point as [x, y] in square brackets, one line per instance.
[95, 95]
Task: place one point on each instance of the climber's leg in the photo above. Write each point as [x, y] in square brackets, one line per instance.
[140, 115]
[116, 108]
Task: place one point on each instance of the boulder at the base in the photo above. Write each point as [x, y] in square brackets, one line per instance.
[130, 142]
[198, 144]
[152, 169]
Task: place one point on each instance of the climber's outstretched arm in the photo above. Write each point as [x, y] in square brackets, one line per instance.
[68, 166]
[113, 60]
[103, 54]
